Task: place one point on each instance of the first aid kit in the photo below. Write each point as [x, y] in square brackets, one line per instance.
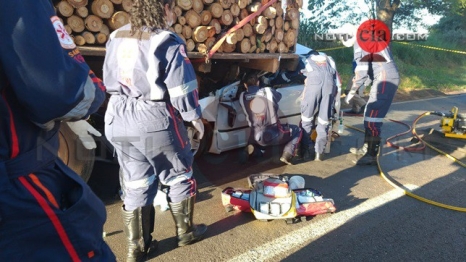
[273, 196]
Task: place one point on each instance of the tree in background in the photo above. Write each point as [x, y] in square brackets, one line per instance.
[451, 28]
[406, 13]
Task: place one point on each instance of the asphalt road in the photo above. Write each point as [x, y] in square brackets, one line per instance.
[375, 221]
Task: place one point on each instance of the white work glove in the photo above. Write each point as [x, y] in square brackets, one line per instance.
[350, 96]
[84, 131]
[199, 126]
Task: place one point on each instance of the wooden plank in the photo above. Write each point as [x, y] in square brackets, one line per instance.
[241, 56]
[269, 62]
[92, 50]
[269, 65]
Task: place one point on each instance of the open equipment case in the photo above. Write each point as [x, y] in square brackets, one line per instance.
[273, 196]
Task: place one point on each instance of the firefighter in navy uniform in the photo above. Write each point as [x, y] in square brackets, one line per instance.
[386, 79]
[47, 212]
[260, 104]
[317, 105]
[153, 89]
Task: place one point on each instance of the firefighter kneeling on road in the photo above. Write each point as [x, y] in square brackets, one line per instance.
[260, 104]
[317, 105]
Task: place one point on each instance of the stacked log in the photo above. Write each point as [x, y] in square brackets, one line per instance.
[201, 23]
[89, 22]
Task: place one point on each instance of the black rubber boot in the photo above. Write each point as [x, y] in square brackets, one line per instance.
[186, 231]
[245, 153]
[362, 150]
[361, 110]
[286, 158]
[304, 148]
[138, 227]
[370, 158]
[250, 151]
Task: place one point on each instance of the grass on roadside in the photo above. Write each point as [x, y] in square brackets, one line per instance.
[420, 68]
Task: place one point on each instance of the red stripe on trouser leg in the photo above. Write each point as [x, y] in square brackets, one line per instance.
[14, 136]
[49, 195]
[172, 114]
[53, 218]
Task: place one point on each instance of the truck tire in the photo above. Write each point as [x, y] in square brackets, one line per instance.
[74, 154]
[199, 146]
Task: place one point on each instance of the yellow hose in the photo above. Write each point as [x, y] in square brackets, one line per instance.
[407, 192]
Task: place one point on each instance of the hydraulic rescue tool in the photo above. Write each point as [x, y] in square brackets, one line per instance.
[452, 123]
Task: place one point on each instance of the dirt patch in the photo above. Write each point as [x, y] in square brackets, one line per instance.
[402, 95]
[410, 95]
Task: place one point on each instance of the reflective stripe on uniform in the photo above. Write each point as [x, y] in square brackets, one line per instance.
[322, 122]
[307, 119]
[373, 119]
[141, 183]
[361, 68]
[179, 178]
[80, 109]
[182, 89]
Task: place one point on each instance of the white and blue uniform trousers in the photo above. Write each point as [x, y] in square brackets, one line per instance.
[384, 86]
[316, 113]
[381, 95]
[317, 105]
[152, 146]
[382, 69]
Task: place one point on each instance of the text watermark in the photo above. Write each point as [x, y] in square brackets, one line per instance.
[378, 36]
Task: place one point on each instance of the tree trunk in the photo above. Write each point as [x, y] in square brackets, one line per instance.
[244, 46]
[82, 11]
[79, 40]
[206, 17]
[187, 31]
[386, 10]
[65, 9]
[93, 23]
[77, 3]
[193, 19]
[190, 45]
[198, 6]
[76, 23]
[184, 4]
[118, 20]
[100, 38]
[126, 5]
[102, 8]
[200, 34]
[88, 37]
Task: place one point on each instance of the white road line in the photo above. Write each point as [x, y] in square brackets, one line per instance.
[311, 232]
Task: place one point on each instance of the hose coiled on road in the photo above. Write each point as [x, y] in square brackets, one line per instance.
[394, 183]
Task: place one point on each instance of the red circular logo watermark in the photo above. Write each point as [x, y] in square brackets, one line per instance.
[373, 36]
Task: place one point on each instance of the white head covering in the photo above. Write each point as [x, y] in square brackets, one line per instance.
[351, 30]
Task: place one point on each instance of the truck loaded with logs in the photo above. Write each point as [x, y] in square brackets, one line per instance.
[224, 39]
